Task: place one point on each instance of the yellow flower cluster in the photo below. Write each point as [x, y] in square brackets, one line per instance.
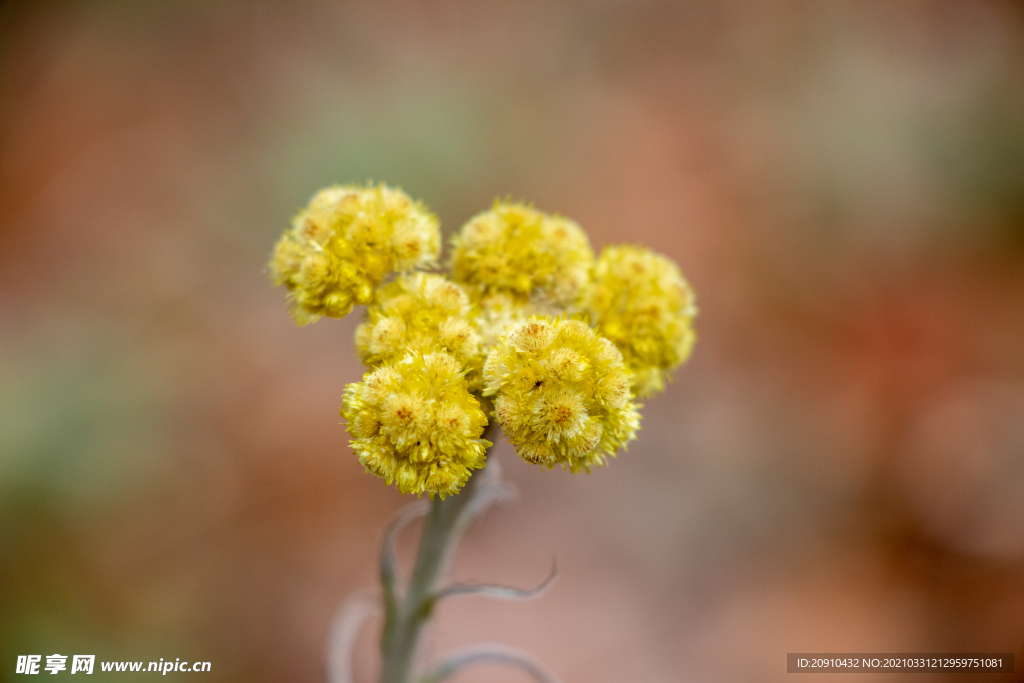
[343, 244]
[562, 393]
[415, 423]
[515, 260]
[508, 327]
[420, 312]
[641, 302]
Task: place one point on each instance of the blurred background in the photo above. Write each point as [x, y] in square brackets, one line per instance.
[840, 468]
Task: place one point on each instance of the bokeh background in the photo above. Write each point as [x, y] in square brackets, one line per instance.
[839, 468]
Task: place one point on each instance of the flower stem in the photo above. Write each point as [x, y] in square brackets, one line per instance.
[405, 619]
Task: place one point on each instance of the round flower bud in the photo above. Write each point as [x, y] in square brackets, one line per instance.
[415, 423]
[345, 242]
[515, 260]
[641, 302]
[561, 393]
[420, 312]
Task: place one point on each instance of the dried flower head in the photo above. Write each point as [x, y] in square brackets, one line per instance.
[523, 286]
[516, 260]
[345, 242]
[561, 392]
[420, 312]
[415, 423]
[641, 302]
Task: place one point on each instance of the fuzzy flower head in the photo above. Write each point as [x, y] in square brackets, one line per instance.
[420, 312]
[514, 257]
[345, 242]
[641, 302]
[416, 424]
[562, 393]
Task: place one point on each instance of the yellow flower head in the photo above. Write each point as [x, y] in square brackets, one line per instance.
[415, 423]
[562, 393]
[420, 312]
[345, 242]
[641, 302]
[513, 257]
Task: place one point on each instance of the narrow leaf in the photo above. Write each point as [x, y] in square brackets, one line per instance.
[354, 611]
[496, 591]
[488, 653]
[389, 571]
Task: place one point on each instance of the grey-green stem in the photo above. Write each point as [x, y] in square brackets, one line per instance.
[408, 609]
[406, 616]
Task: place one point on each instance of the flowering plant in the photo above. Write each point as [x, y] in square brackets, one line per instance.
[527, 332]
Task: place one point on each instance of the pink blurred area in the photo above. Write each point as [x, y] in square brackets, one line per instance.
[840, 467]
